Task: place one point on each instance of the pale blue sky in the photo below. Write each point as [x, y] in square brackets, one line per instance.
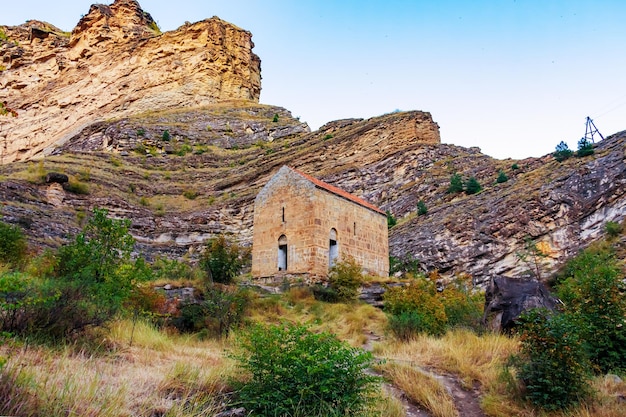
[511, 77]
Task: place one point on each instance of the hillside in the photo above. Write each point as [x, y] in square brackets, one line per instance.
[203, 179]
[183, 152]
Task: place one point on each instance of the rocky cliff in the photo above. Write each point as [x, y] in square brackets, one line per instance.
[166, 130]
[114, 63]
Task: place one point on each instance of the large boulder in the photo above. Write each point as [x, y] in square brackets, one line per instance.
[507, 298]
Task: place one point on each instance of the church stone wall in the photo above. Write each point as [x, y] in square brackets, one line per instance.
[292, 206]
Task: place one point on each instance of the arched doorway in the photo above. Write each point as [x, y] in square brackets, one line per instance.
[333, 248]
[282, 253]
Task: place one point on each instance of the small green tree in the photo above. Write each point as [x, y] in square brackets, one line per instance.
[166, 136]
[585, 148]
[391, 220]
[275, 119]
[592, 292]
[345, 278]
[421, 208]
[612, 229]
[502, 177]
[295, 372]
[472, 186]
[223, 259]
[456, 184]
[12, 245]
[562, 152]
[553, 365]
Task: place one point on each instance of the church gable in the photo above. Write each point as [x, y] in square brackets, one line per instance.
[301, 225]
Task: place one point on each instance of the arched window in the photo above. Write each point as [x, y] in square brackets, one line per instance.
[282, 253]
[333, 248]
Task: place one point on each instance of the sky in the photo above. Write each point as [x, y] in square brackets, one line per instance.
[512, 77]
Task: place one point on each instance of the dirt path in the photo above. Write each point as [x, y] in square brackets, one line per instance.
[466, 402]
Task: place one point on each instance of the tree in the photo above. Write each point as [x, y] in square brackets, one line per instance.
[345, 278]
[421, 208]
[98, 250]
[222, 259]
[472, 186]
[391, 220]
[562, 152]
[585, 148]
[456, 184]
[502, 177]
[12, 245]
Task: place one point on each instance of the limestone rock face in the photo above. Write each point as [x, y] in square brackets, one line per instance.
[115, 63]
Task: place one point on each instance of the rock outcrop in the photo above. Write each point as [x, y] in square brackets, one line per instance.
[506, 299]
[114, 63]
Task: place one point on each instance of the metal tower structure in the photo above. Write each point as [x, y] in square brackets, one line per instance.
[591, 130]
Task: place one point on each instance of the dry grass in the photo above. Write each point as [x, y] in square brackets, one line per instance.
[157, 374]
[421, 388]
[460, 352]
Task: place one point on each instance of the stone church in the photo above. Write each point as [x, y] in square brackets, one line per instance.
[302, 225]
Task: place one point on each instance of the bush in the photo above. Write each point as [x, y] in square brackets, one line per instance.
[12, 245]
[391, 220]
[553, 366]
[275, 119]
[472, 186]
[462, 307]
[515, 167]
[294, 372]
[345, 278]
[222, 260]
[612, 229]
[585, 148]
[591, 289]
[421, 208]
[456, 184]
[415, 309]
[502, 177]
[95, 276]
[562, 152]
[166, 136]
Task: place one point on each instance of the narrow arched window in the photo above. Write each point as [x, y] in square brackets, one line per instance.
[282, 253]
[333, 248]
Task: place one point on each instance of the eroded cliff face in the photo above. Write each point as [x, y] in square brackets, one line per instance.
[201, 179]
[114, 63]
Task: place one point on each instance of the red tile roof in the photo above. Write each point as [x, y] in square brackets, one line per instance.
[338, 191]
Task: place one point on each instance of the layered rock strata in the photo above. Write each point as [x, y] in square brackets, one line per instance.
[114, 63]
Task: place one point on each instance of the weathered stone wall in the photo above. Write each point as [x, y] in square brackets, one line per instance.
[309, 215]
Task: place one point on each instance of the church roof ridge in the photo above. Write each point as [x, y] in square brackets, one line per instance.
[337, 191]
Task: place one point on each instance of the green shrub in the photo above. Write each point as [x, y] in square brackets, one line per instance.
[502, 177]
[612, 229]
[294, 372]
[585, 148]
[415, 309]
[553, 366]
[405, 265]
[345, 278]
[172, 269]
[456, 184]
[166, 136]
[514, 167]
[222, 259]
[328, 136]
[275, 119]
[463, 307]
[591, 289]
[472, 186]
[190, 194]
[12, 245]
[326, 294]
[421, 208]
[77, 187]
[391, 220]
[562, 152]
[94, 275]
